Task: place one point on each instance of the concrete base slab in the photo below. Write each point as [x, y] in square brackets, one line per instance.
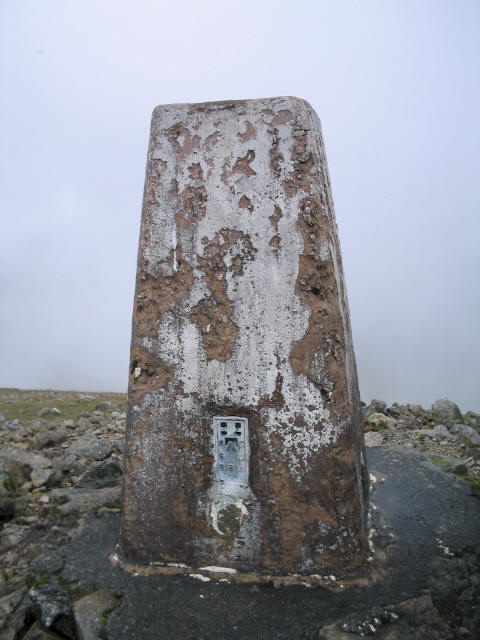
[429, 547]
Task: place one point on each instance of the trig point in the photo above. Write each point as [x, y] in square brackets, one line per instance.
[244, 447]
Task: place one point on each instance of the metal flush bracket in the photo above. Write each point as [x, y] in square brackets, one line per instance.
[232, 449]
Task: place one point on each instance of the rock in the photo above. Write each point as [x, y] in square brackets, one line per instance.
[105, 473]
[37, 632]
[439, 433]
[459, 469]
[69, 424]
[446, 412]
[119, 446]
[464, 432]
[24, 458]
[2, 418]
[415, 619]
[103, 406]
[84, 422]
[74, 465]
[381, 421]
[86, 398]
[11, 536]
[96, 417]
[91, 447]
[41, 477]
[52, 599]
[16, 621]
[9, 603]
[48, 563]
[375, 406]
[49, 411]
[75, 501]
[7, 508]
[373, 439]
[89, 613]
[49, 439]
[472, 419]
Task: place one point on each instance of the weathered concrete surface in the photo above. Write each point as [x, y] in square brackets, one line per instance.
[435, 521]
[240, 310]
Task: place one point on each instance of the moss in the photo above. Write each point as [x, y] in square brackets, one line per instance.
[229, 520]
[440, 461]
[106, 615]
[375, 427]
[474, 483]
[12, 482]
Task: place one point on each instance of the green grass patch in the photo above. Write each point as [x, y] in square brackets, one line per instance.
[26, 405]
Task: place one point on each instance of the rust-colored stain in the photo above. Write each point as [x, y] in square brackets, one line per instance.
[157, 294]
[246, 203]
[242, 165]
[213, 313]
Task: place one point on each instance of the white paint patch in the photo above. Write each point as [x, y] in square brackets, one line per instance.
[174, 247]
[214, 569]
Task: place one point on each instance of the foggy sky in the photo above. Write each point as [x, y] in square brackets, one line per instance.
[396, 86]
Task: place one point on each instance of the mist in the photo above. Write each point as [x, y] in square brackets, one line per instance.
[396, 87]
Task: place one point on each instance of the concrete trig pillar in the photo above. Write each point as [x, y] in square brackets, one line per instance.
[244, 444]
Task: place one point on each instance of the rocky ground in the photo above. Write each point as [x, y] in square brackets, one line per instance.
[61, 462]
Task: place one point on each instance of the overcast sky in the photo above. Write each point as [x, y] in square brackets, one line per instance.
[396, 86]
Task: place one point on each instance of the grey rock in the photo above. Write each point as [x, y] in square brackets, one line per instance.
[115, 414]
[49, 439]
[84, 422]
[86, 398]
[52, 599]
[464, 432]
[373, 439]
[9, 603]
[472, 419]
[49, 411]
[74, 465]
[119, 446]
[103, 406]
[73, 501]
[48, 563]
[24, 458]
[14, 622]
[438, 434]
[459, 469]
[37, 632]
[7, 508]
[91, 447]
[415, 619]
[12, 536]
[375, 406]
[41, 477]
[446, 412]
[105, 473]
[69, 424]
[89, 611]
[379, 420]
[2, 418]
[96, 417]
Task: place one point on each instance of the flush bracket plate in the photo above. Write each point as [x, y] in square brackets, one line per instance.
[232, 449]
